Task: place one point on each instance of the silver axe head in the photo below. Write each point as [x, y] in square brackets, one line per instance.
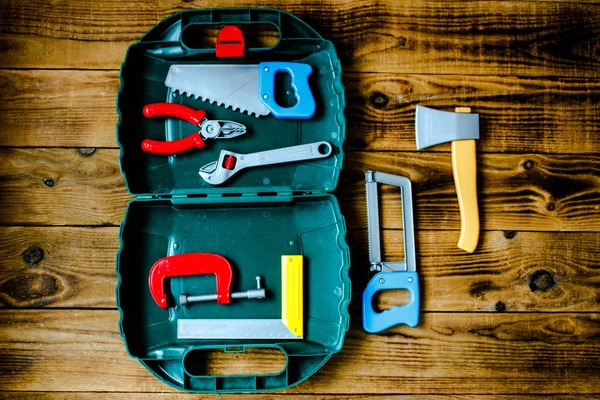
[435, 127]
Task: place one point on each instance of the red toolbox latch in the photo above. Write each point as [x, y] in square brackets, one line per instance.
[230, 42]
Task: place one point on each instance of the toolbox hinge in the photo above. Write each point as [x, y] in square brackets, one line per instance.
[300, 193]
[213, 195]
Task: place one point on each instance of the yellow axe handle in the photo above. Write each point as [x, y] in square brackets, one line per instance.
[464, 167]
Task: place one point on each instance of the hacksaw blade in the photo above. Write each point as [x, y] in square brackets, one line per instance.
[373, 219]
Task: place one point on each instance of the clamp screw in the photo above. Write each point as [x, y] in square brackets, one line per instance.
[258, 293]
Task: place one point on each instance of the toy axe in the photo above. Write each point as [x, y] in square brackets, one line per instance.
[461, 128]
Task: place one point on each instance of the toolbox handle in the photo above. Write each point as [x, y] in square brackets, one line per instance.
[290, 27]
[408, 314]
[289, 376]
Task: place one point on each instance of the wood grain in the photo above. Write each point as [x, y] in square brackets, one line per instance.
[77, 109]
[514, 271]
[518, 319]
[217, 362]
[524, 114]
[61, 187]
[510, 271]
[499, 353]
[58, 267]
[269, 396]
[442, 37]
[517, 191]
[58, 108]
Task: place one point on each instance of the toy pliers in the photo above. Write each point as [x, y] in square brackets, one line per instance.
[209, 129]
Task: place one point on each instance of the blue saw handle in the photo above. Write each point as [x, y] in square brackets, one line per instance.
[408, 314]
[305, 102]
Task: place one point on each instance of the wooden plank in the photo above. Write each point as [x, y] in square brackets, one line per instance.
[517, 191]
[510, 271]
[442, 37]
[58, 266]
[58, 108]
[76, 109]
[513, 271]
[61, 187]
[516, 114]
[269, 396]
[67, 350]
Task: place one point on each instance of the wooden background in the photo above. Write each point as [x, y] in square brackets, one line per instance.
[520, 318]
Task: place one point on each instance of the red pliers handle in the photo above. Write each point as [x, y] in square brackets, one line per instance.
[194, 141]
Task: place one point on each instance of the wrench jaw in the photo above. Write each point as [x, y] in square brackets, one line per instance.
[215, 173]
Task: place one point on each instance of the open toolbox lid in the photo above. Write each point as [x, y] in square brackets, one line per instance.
[143, 75]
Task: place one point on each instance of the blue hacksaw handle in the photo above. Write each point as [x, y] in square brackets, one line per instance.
[299, 72]
[408, 314]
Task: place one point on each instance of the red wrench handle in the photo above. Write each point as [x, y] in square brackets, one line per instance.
[190, 264]
[194, 141]
[174, 110]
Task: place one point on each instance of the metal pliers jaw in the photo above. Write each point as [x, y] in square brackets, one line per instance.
[209, 129]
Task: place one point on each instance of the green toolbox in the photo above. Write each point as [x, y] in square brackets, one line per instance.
[233, 240]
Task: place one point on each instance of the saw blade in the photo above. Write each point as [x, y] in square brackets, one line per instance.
[373, 220]
[230, 86]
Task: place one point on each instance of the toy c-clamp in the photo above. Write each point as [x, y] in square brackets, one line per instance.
[197, 264]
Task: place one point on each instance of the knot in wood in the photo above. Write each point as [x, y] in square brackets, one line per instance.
[49, 182]
[541, 281]
[500, 306]
[510, 234]
[31, 289]
[33, 255]
[528, 164]
[87, 151]
[379, 100]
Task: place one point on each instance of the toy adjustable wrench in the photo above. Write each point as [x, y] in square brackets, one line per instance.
[391, 275]
[197, 264]
[230, 163]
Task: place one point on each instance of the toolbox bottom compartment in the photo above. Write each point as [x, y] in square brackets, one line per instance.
[252, 236]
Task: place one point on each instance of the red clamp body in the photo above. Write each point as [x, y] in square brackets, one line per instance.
[230, 42]
[190, 264]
